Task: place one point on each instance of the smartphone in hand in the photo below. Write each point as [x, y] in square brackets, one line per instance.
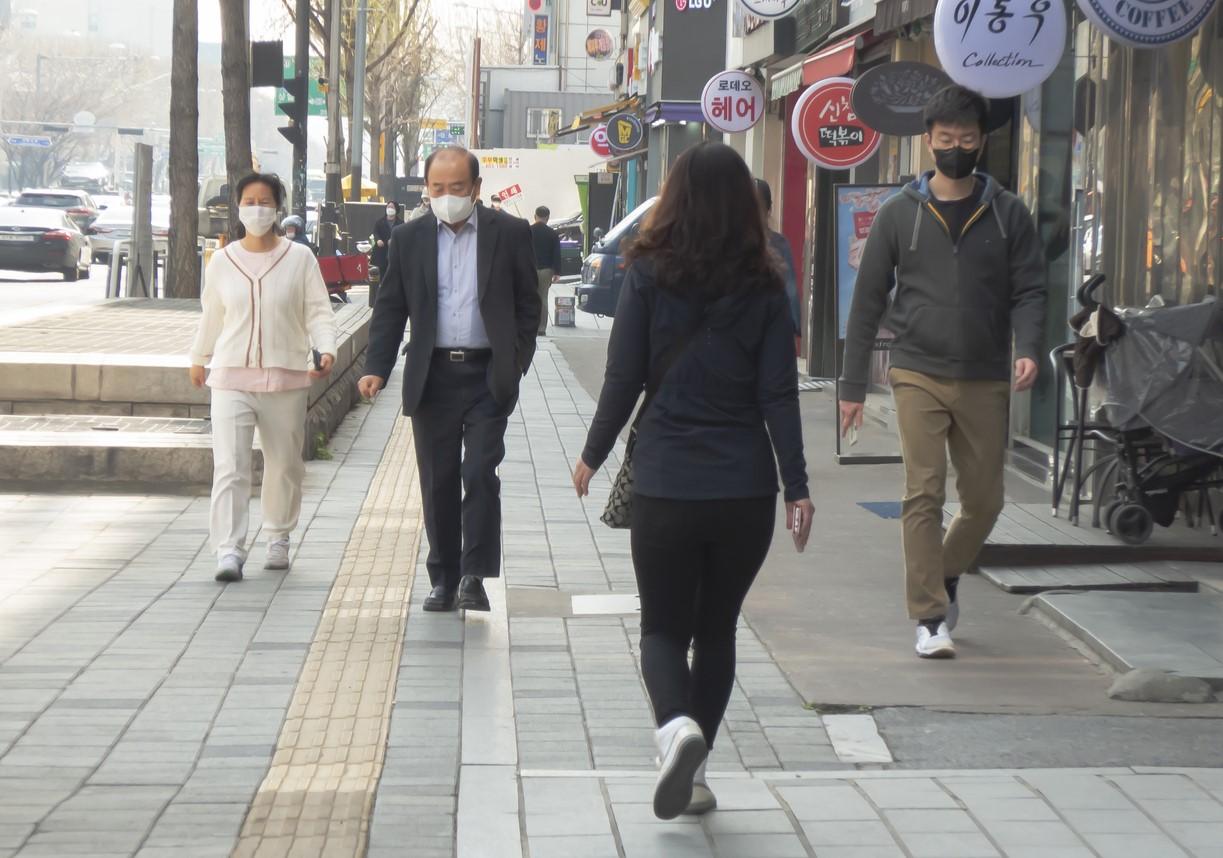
[797, 531]
[318, 359]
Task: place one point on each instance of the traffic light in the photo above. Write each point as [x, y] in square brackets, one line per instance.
[296, 108]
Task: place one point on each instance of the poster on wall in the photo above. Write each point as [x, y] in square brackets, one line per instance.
[856, 208]
[1000, 48]
[770, 8]
[1147, 23]
[826, 129]
[732, 101]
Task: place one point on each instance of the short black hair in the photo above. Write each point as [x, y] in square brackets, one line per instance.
[495, 198]
[956, 105]
[269, 179]
[766, 194]
[543, 213]
[472, 161]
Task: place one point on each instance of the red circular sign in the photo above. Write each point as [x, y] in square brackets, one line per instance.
[598, 142]
[828, 131]
[535, 5]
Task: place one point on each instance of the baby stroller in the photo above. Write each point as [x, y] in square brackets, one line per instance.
[1148, 399]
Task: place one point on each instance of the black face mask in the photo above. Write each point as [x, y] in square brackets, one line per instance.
[956, 162]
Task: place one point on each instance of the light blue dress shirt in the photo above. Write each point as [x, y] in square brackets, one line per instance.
[459, 323]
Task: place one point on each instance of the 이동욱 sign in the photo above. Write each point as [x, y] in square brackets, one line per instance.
[828, 131]
[732, 101]
[625, 133]
[1147, 23]
[1000, 48]
[770, 8]
[598, 142]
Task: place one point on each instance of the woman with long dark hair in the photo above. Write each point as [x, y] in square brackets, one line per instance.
[704, 326]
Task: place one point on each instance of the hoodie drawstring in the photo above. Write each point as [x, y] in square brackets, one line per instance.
[916, 227]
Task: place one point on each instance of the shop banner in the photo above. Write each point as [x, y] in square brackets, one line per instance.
[1000, 48]
[732, 102]
[828, 131]
[1147, 23]
[625, 133]
[598, 142]
[770, 8]
[539, 42]
[599, 44]
[890, 98]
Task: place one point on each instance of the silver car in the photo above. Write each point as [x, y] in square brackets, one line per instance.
[115, 224]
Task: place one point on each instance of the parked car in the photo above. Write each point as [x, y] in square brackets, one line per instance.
[116, 225]
[603, 270]
[91, 177]
[79, 205]
[42, 239]
[112, 201]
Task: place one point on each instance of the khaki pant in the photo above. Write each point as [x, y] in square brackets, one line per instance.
[967, 419]
[545, 286]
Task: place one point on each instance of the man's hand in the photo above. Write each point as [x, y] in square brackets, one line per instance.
[369, 385]
[325, 365]
[197, 375]
[851, 416]
[1026, 371]
[556, 278]
[582, 474]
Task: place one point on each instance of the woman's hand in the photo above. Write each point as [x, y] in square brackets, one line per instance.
[197, 375]
[805, 511]
[325, 365]
[582, 474]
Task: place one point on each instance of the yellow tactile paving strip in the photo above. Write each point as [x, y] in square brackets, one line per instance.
[318, 794]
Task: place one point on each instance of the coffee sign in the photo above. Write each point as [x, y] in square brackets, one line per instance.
[828, 131]
[890, 98]
[770, 8]
[1000, 48]
[1147, 23]
[732, 101]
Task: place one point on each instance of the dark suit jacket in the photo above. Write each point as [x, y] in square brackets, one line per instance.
[509, 303]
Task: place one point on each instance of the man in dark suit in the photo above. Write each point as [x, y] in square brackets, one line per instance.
[465, 276]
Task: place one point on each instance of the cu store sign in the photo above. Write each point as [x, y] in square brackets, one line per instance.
[828, 131]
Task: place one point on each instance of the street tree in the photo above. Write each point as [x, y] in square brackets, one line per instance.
[183, 267]
[236, 97]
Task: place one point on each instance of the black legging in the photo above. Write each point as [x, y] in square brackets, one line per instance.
[695, 561]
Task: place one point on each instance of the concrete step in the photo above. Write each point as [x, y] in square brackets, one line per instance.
[99, 448]
[1166, 576]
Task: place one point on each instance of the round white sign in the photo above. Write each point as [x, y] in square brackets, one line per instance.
[732, 101]
[770, 8]
[1147, 23]
[1000, 48]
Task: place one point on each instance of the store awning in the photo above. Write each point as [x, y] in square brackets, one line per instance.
[833, 61]
[785, 82]
[894, 14]
[590, 118]
[674, 111]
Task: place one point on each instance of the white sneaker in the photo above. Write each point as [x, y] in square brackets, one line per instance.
[682, 751]
[703, 799]
[229, 569]
[278, 554]
[935, 644]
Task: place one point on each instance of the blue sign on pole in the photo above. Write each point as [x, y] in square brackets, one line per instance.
[539, 41]
[28, 142]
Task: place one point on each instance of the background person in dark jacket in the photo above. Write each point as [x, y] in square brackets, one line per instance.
[708, 447]
[781, 247]
[547, 243]
[382, 237]
[968, 272]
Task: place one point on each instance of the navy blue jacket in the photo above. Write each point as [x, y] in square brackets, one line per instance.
[726, 416]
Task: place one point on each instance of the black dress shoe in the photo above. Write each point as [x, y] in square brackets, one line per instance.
[440, 599]
[471, 594]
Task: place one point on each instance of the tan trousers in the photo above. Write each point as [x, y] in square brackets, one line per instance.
[545, 287]
[967, 419]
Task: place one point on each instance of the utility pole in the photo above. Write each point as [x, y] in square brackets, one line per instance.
[329, 216]
[357, 130]
[302, 68]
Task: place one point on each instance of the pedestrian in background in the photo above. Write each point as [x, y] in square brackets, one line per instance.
[495, 202]
[969, 278]
[465, 276]
[265, 305]
[547, 244]
[704, 328]
[780, 246]
[381, 238]
[295, 230]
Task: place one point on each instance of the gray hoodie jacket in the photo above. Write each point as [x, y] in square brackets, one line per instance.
[955, 304]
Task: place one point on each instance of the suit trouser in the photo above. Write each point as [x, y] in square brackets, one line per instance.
[545, 287]
[967, 419]
[281, 420]
[459, 433]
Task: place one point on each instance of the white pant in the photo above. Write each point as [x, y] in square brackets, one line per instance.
[281, 419]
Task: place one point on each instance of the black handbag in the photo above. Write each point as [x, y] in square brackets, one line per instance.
[618, 512]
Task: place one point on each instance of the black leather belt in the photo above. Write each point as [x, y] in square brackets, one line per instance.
[463, 355]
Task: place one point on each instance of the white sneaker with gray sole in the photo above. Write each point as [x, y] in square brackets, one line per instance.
[278, 554]
[229, 569]
[682, 750]
[936, 644]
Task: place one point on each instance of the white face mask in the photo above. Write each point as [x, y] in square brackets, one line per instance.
[257, 219]
[452, 209]
[390, 214]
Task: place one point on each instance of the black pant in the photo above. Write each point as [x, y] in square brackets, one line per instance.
[459, 431]
[695, 561]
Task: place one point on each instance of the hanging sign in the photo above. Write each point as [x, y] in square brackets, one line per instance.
[732, 101]
[1003, 48]
[599, 44]
[598, 142]
[625, 133]
[770, 8]
[599, 8]
[1147, 23]
[890, 98]
[828, 131]
[539, 41]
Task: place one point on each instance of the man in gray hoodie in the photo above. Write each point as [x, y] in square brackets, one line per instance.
[964, 260]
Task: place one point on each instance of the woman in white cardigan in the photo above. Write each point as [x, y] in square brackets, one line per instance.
[265, 306]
